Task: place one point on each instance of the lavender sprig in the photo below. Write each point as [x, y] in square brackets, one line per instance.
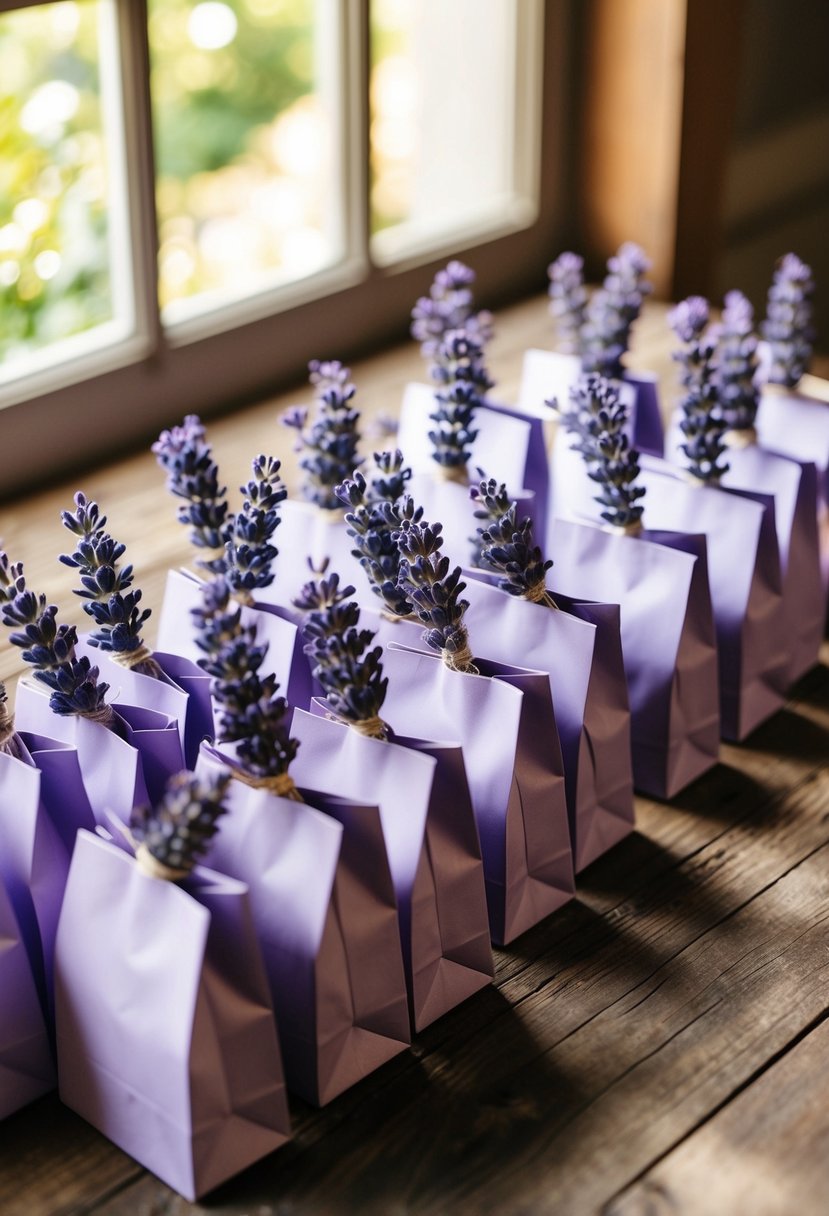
[346, 665]
[459, 372]
[373, 525]
[105, 587]
[435, 593]
[331, 439]
[176, 832]
[736, 363]
[249, 553]
[702, 424]
[599, 418]
[510, 548]
[49, 647]
[192, 474]
[612, 311]
[493, 502]
[788, 324]
[449, 305]
[568, 300]
[388, 480]
[251, 713]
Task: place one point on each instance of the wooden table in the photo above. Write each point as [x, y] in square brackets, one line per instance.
[661, 1045]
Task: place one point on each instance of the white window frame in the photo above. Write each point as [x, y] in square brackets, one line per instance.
[105, 400]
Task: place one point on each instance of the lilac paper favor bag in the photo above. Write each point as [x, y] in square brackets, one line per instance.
[504, 721]
[660, 581]
[26, 1069]
[579, 646]
[432, 848]
[274, 626]
[325, 913]
[181, 695]
[793, 485]
[165, 1032]
[502, 450]
[111, 768]
[744, 577]
[34, 862]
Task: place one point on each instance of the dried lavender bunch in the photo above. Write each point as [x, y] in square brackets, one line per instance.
[493, 502]
[251, 714]
[330, 441]
[449, 305]
[176, 833]
[105, 588]
[347, 666]
[568, 300]
[788, 324]
[613, 310]
[599, 418]
[458, 370]
[373, 525]
[509, 548]
[736, 363]
[49, 648]
[702, 424]
[249, 553]
[435, 591]
[192, 474]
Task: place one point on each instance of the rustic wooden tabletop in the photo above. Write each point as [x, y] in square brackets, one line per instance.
[658, 1046]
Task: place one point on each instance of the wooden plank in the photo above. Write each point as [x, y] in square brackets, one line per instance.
[766, 1152]
[552, 1093]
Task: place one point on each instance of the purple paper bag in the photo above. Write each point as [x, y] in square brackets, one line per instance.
[793, 485]
[26, 1069]
[744, 577]
[182, 695]
[504, 721]
[660, 581]
[501, 450]
[797, 425]
[432, 847]
[325, 913]
[111, 768]
[579, 646]
[274, 626]
[34, 862]
[165, 1031]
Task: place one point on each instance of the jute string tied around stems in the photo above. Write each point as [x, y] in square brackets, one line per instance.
[134, 659]
[454, 472]
[281, 784]
[740, 437]
[538, 594]
[6, 728]
[632, 529]
[154, 868]
[461, 660]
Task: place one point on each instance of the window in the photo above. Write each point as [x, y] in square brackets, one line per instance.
[197, 196]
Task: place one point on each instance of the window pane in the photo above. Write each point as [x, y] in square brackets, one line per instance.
[248, 184]
[444, 112]
[57, 210]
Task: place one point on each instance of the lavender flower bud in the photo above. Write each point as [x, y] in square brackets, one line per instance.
[568, 300]
[49, 648]
[351, 674]
[493, 502]
[435, 591]
[458, 370]
[249, 554]
[788, 324]
[104, 585]
[509, 548]
[330, 441]
[598, 418]
[373, 525]
[176, 832]
[613, 310]
[250, 712]
[702, 424]
[449, 305]
[192, 474]
[735, 363]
